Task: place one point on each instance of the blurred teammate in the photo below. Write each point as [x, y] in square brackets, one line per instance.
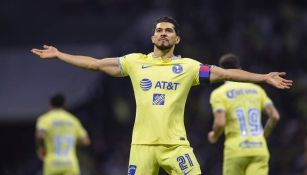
[237, 107]
[161, 83]
[58, 133]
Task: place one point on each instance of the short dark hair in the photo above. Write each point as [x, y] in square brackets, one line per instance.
[170, 20]
[229, 61]
[57, 100]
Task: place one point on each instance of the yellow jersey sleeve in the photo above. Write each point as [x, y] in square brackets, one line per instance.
[216, 101]
[125, 63]
[81, 132]
[195, 70]
[42, 124]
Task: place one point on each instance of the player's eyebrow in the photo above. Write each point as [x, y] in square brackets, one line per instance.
[167, 29]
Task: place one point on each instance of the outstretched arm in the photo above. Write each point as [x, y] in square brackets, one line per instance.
[272, 78]
[106, 65]
[218, 126]
[273, 119]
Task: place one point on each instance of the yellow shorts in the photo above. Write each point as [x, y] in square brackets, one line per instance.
[253, 165]
[174, 159]
[52, 167]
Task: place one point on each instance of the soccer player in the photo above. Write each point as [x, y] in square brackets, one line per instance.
[57, 134]
[237, 107]
[161, 83]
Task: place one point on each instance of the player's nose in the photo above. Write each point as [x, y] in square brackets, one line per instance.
[163, 35]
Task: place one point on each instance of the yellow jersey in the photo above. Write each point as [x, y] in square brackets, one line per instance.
[62, 133]
[243, 104]
[161, 87]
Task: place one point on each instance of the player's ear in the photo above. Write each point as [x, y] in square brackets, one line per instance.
[177, 39]
[152, 39]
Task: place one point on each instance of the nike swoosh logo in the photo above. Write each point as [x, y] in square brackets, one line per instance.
[187, 172]
[145, 66]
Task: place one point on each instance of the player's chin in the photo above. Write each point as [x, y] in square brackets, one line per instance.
[164, 46]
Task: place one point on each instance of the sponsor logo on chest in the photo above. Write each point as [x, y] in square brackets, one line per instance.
[146, 84]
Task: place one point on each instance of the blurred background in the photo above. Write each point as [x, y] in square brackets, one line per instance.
[267, 35]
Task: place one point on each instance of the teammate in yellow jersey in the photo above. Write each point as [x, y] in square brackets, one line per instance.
[237, 107]
[161, 83]
[58, 133]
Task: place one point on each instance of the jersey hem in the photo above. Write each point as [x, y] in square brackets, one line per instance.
[182, 144]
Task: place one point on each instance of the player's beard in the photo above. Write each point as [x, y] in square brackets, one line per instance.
[164, 46]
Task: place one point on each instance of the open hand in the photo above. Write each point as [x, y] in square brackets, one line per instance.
[47, 52]
[275, 79]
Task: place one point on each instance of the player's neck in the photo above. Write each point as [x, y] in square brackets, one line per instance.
[55, 108]
[164, 54]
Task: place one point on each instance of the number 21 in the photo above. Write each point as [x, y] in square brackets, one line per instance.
[182, 162]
